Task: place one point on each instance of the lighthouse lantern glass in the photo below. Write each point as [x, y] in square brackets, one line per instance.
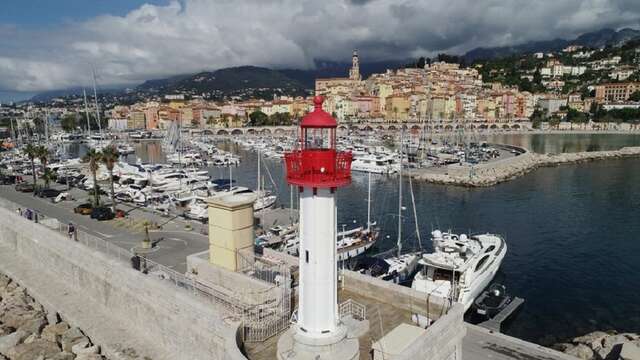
[319, 138]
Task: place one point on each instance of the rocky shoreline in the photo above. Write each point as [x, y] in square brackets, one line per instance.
[494, 173]
[600, 345]
[29, 332]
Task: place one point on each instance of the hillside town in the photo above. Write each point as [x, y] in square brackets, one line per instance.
[574, 85]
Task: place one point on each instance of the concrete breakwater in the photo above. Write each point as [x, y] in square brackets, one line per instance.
[28, 331]
[492, 173]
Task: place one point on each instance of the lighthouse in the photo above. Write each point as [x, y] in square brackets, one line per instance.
[318, 169]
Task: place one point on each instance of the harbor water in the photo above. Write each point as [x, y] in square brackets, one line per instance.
[572, 231]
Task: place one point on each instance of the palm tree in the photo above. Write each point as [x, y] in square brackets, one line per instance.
[47, 176]
[93, 157]
[32, 151]
[43, 154]
[110, 158]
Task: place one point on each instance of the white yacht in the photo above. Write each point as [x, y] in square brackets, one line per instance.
[374, 164]
[460, 266]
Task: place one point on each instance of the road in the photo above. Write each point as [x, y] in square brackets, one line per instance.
[172, 243]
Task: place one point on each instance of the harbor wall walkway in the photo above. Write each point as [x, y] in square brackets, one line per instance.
[117, 306]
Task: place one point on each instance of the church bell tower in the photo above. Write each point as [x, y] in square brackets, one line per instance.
[354, 73]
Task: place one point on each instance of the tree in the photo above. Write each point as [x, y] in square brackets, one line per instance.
[635, 96]
[68, 122]
[92, 157]
[575, 116]
[110, 157]
[211, 120]
[258, 118]
[32, 152]
[47, 176]
[554, 121]
[421, 62]
[43, 154]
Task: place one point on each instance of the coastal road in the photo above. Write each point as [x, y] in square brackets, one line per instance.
[172, 243]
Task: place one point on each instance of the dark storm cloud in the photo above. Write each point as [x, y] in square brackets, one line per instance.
[193, 35]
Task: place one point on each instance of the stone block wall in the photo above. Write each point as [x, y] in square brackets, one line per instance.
[174, 322]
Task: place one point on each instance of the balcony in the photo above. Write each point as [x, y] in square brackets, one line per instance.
[324, 168]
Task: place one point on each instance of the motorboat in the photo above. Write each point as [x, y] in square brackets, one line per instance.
[460, 266]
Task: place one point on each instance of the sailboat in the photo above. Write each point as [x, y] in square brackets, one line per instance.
[350, 243]
[265, 200]
[401, 267]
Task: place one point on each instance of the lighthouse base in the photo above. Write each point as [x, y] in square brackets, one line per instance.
[293, 347]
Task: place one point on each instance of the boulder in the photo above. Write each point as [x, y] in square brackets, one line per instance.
[591, 339]
[581, 351]
[630, 351]
[72, 337]
[38, 348]
[85, 350]
[52, 317]
[54, 332]
[63, 356]
[30, 339]
[77, 347]
[33, 326]
[8, 342]
[90, 357]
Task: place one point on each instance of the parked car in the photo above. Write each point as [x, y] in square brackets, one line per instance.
[47, 193]
[102, 213]
[83, 209]
[7, 179]
[24, 187]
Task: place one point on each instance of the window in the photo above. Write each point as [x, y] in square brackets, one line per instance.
[306, 256]
[490, 249]
[482, 262]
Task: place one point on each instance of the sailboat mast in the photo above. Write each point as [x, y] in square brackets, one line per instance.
[369, 203]
[400, 197]
[259, 157]
[86, 113]
[46, 126]
[95, 97]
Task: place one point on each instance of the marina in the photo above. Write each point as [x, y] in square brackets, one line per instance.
[429, 199]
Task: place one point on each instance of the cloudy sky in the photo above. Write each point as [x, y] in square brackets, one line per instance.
[47, 44]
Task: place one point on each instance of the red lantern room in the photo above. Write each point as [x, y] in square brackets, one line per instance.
[317, 163]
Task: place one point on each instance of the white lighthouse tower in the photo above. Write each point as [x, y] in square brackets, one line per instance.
[318, 170]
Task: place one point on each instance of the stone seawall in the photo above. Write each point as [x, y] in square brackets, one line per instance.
[29, 331]
[504, 170]
[116, 306]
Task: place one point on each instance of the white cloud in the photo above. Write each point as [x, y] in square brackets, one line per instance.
[194, 35]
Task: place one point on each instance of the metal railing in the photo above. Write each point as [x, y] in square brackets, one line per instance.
[263, 313]
[353, 309]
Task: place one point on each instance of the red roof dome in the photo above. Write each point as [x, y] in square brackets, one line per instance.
[318, 118]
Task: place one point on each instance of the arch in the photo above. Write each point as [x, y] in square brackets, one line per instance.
[236, 132]
[265, 131]
[251, 131]
[380, 127]
[392, 128]
[483, 126]
[367, 128]
[506, 127]
[404, 127]
[342, 127]
[493, 126]
[207, 132]
[516, 126]
[458, 126]
[222, 132]
[279, 131]
[448, 127]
